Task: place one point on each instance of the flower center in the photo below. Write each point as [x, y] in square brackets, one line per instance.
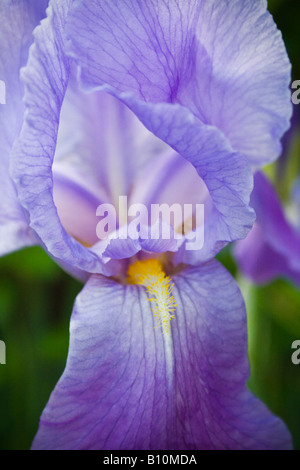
[150, 274]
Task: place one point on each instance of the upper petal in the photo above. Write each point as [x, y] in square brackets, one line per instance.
[225, 60]
[226, 174]
[127, 385]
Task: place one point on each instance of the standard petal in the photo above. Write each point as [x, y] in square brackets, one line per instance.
[225, 173]
[129, 386]
[225, 60]
[101, 143]
[272, 248]
[244, 90]
[76, 208]
[15, 38]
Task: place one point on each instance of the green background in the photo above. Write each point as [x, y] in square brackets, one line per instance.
[36, 299]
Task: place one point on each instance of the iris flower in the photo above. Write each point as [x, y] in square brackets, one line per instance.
[272, 247]
[161, 101]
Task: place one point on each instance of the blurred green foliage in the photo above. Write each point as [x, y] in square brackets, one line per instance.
[273, 313]
[274, 323]
[36, 299]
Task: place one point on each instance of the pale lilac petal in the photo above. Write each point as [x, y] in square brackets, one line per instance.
[127, 386]
[101, 143]
[245, 77]
[225, 60]
[19, 20]
[46, 78]
[225, 173]
[76, 208]
[169, 179]
[127, 242]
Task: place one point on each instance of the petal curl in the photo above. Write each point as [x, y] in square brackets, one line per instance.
[19, 20]
[127, 386]
[224, 60]
[225, 173]
[46, 78]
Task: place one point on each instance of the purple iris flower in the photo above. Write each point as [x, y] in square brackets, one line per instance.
[175, 101]
[272, 247]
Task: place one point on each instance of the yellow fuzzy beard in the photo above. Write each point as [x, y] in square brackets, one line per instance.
[150, 274]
